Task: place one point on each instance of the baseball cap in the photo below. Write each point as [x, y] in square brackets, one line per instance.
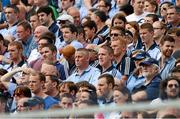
[34, 101]
[139, 55]
[149, 61]
[65, 17]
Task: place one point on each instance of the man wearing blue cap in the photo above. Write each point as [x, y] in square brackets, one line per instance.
[150, 71]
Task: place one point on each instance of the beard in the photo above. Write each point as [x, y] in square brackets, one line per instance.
[146, 74]
[168, 53]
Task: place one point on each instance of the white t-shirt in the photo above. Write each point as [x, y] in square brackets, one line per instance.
[134, 17]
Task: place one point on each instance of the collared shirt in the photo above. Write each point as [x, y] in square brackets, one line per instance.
[113, 71]
[76, 44]
[104, 32]
[133, 82]
[12, 66]
[54, 28]
[61, 71]
[11, 31]
[167, 67]
[91, 75]
[114, 10]
[125, 66]
[154, 51]
[28, 46]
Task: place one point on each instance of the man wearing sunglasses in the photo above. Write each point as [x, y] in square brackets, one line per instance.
[170, 89]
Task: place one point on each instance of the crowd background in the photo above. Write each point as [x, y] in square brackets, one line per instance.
[62, 54]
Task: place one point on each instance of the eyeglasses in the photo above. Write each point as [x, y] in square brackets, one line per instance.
[171, 85]
[114, 34]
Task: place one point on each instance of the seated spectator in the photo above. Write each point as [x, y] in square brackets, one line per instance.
[105, 89]
[136, 77]
[167, 61]
[105, 61]
[169, 90]
[85, 72]
[66, 101]
[150, 71]
[68, 87]
[51, 86]
[36, 84]
[151, 6]
[34, 104]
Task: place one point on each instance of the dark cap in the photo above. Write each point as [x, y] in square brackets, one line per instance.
[34, 101]
[139, 55]
[149, 61]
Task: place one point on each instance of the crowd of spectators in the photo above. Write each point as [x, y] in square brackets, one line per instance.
[65, 54]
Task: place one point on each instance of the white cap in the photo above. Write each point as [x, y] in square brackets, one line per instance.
[65, 17]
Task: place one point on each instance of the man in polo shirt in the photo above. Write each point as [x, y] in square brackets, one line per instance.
[46, 17]
[150, 46]
[167, 61]
[11, 14]
[15, 49]
[105, 60]
[85, 72]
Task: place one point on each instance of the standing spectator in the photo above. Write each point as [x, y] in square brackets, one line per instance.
[85, 72]
[146, 33]
[167, 61]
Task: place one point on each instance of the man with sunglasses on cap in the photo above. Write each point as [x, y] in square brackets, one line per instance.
[151, 84]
